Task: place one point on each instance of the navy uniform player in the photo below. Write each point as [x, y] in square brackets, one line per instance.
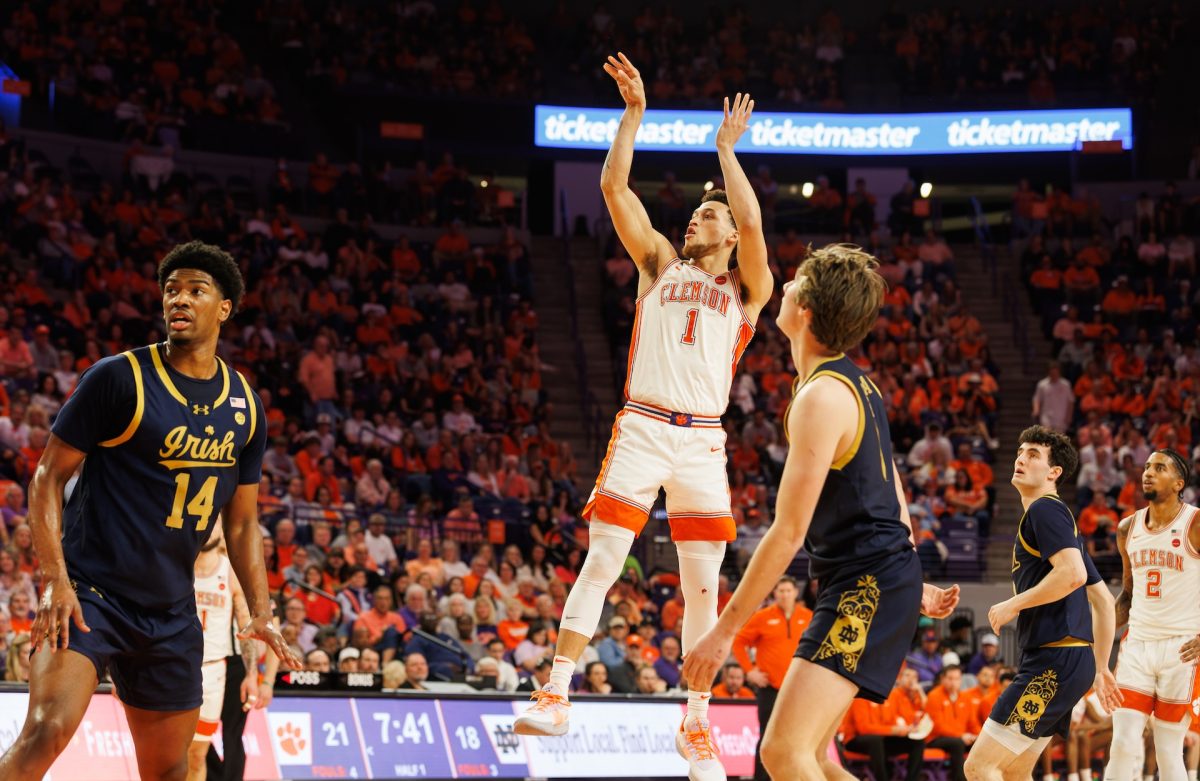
[839, 496]
[168, 437]
[1065, 619]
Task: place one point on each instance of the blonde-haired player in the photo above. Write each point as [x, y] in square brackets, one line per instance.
[694, 318]
[219, 599]
[1160, 600]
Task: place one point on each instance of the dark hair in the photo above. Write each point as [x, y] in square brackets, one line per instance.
[1181, 465]
[788, 579]
[1062, 452]
[211, 260]
[720, 196]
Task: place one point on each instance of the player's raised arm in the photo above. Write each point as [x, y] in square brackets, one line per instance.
[743, 204]
[647, 247]
[1068, 574]
[58, 605]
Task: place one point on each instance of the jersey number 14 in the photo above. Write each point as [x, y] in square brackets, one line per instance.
[200, 506]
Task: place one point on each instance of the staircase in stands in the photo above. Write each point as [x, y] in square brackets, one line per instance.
[559, 349]
[1016, 385]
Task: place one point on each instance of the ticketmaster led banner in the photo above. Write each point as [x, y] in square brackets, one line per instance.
[953, 133]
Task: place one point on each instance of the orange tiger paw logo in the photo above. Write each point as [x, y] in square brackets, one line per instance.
[290, 740]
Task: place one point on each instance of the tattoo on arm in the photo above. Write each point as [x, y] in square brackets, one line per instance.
[250, 654]
[1124, 602]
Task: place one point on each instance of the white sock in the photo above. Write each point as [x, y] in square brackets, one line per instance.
[1147, 778]
[560, 675]
[1072, 777]
[698, 704]
[1192, 775]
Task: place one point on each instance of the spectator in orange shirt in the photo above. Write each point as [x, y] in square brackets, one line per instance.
[733, 683]
[774, 634]
[906, 701]
[384, 625]
[955, 723]
[1082, 284]
[985, 692]
[870, 728]
[1096, 511]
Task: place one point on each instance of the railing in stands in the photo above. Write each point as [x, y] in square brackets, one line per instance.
[1002, 284]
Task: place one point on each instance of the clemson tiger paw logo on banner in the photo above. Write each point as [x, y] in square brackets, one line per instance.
[848, 635]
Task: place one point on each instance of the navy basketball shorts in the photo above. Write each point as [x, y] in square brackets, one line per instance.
[865, 620]
[153, 656]
[1038, 703]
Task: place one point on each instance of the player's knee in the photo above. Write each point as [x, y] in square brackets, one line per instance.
[1125, 744]
[46, 735]
[976, 770]
[780, 756]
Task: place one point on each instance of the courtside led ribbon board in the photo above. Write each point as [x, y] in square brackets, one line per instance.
[953, 133]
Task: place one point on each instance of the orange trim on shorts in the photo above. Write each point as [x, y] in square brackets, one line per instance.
[206, 728]
[616, 510]
[1172, 711]
[705, 528]
[1138, 701]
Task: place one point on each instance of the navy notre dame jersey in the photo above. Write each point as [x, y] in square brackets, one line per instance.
[165, 454]
[1046, 528]
[857, 518]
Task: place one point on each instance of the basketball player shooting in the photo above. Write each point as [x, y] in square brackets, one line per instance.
[694, 318]
[171, 436]
[1160, 601]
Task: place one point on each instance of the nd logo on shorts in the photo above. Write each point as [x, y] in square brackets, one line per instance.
[1033, 702]
[848, 635]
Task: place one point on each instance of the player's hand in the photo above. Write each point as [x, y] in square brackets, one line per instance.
[263, 628]
[1107, 692]
[1189, 652]
[737, 119]
[266, 693]
[758, 678]
[706, 658]
[629, 80]
[1001, 614]
[249, 692]
[56, 609]
[938, 602]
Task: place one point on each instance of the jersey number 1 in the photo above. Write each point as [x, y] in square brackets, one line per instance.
[200, 506]
[689, 332]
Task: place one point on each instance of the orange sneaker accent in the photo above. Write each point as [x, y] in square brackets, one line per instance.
[547, 700]
[701, 742]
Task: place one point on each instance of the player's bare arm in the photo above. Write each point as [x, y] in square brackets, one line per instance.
[58, 605]
[822, 423]
[1104, 630]
[647, 247]
[249, 647]
[1189, 652]
[244, 541]
[1125, 598]
[1068, 574]
[753, 271]
[935, 602]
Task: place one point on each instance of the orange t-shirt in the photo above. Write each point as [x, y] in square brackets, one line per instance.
[775, 637]
[951, 718]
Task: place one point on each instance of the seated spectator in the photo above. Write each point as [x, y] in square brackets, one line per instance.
[416, 672]
[393, 675]
[384, 626]
[669, 665]
[535, 647]
[317, 661]
[379, 544]
[988, 654]
[649, 682]
[347, 660]
[733, 683]
[613, 647]
[870, 728]
[539, 678]
[595, 680]
[444, 654]
[926, 658]
[955, 724]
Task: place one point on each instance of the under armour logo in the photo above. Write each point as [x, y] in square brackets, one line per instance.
[199, 409]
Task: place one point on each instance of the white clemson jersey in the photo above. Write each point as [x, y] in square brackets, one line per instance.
[1166, 578]
[689, 333]
[214, 606]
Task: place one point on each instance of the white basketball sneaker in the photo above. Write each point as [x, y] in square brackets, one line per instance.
[695, 744]
[548, 717]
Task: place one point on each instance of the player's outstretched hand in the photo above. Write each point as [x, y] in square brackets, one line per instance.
[737, 119]
[706, 658]
[628, 78]
[1107, 691]
[1189, 652]
[938, 602]
[263, 628]
[56, 609]
[1001, 614]
[249, 691]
